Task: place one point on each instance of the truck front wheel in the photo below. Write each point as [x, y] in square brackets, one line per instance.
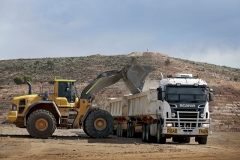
[202, 140]
[99, 124]
[41, 124]
[160, 138]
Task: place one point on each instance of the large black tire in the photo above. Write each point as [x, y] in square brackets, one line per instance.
[202, 140]
[99, 124]
[84, 129]
[143, 133]
[148, 137]
[41, 124]
[160, 138]
[118, 130]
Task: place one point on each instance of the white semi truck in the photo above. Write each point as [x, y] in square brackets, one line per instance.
[177, 109]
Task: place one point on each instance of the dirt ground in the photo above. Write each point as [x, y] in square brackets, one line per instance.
[15, 143]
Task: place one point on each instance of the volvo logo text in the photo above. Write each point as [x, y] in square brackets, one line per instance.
[187, 105]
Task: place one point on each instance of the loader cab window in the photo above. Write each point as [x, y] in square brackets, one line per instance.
[68, 90]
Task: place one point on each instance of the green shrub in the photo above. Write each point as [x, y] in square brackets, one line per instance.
[23, 79]
[27, 78]
[18, 80]
[235, 79]
[134, 61]
[167, 62]
[52, 80]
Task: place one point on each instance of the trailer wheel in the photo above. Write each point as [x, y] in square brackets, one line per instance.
[99, 124]
[118, 130]
[144, 133]
[128, 130]
[160, 139]
[41, 124]
[148, 133]
[121, 130]
[132, 130]
[202, 140]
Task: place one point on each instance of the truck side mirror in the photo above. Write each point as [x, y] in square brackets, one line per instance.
[210, 96]
[159, 93]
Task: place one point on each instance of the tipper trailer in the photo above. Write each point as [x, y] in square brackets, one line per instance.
[177, 109]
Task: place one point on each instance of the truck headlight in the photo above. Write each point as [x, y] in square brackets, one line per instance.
[205, 125]
[14, 107]
[173, 115]
[202, 115]
[169, 124]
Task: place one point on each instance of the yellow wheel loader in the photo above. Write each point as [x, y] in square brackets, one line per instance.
[61, 107]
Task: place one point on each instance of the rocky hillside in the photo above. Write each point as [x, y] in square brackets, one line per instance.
[225, 109]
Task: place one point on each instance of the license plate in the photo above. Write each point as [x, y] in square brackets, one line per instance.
[203, 131]
[170, 130]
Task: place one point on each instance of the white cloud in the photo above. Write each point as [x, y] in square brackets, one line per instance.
[224, 56]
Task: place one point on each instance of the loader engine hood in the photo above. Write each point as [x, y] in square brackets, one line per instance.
[133, 77]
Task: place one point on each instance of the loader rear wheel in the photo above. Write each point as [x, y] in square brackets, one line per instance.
[99, 124]
[41, 124]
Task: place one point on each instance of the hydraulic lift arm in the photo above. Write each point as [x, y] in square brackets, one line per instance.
[133, 77]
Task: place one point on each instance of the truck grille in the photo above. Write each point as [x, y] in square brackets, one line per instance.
[188, 113]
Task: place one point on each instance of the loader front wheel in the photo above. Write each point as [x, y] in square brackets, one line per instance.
[99, 124]
[41, 124]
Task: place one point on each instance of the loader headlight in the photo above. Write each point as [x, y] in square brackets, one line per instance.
[14, 107]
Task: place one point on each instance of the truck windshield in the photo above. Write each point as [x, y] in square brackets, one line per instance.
[186, 94]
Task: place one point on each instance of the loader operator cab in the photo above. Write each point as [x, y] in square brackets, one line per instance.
[65, 92]
[68, 90]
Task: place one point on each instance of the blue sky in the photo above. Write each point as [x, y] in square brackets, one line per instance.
[205, 31]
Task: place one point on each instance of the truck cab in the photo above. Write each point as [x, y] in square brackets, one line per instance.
[184, 108]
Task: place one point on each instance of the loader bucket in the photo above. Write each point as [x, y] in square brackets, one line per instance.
[133, 77]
